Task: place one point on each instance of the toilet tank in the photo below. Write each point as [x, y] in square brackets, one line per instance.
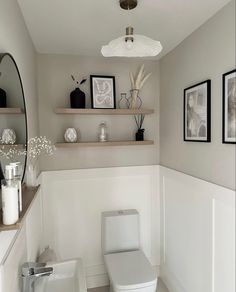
[120, 231]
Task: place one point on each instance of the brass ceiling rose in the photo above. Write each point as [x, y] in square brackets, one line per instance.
[128, 4]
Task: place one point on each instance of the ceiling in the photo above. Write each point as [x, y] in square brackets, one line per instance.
[82, 27]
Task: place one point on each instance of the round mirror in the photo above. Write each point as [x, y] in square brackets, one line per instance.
[13, 121]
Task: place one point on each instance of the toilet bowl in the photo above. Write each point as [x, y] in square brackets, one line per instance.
[127, 266]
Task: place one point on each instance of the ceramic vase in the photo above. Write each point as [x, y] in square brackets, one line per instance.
[8, 136]
[71, 135]
[77, 98]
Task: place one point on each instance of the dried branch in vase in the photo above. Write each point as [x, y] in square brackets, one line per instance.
[137, 84]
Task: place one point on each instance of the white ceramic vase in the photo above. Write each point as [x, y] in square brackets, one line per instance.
[71, 135]
[8, 136]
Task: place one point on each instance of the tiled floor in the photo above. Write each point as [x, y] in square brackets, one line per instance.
[160, 288]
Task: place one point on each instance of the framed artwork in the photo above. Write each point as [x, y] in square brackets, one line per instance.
[197, 112]
[229, 107]
[103, 91]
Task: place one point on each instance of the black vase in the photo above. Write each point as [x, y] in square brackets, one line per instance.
[3, 98]
[140, 135]
[77, 99]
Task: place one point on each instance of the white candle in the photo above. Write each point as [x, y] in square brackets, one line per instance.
[10, 204]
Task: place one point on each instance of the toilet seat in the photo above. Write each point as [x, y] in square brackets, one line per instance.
[130, 270]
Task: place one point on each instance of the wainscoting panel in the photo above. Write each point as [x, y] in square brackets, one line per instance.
[74, 200]
[198, 234]
[25, 247]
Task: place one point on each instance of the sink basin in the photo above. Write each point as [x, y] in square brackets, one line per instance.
[68, 276]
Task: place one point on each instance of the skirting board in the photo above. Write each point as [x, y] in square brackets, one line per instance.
[96, 276]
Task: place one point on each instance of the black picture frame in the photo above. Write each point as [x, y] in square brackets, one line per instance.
[201, 124]
[225, 139]
[108, 81]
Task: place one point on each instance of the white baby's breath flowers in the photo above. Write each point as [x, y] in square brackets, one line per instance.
[11, 151]
[36, 147]
[39, 146]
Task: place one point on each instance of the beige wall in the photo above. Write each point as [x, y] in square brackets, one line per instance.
[54, 87]
[14, 39]
[207, 53]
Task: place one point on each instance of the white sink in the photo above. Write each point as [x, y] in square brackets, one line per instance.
[68, 276]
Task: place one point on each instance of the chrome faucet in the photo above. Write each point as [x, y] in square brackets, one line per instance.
[31, 272]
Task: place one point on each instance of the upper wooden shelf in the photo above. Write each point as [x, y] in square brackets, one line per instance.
[88, 111]
[101, 144]
[28, 195]
[11, 110]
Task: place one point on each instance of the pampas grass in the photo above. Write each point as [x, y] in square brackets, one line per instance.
[137, 83]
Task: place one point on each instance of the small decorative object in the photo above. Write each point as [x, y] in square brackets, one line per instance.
[103, 137]
[3, 98]
[136, 85]
[8, 136]
[229, 107]
[139, 119]
[197, 112]
[77, 96]
[37, 146]
[123, 102]
[71, 135]
[103, 91]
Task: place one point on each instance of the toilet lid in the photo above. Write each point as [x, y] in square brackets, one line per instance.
[130, 270]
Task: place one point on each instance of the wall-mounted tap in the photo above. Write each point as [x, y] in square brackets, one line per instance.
[32, 271]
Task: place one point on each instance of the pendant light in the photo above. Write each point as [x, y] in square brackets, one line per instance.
[131, 45]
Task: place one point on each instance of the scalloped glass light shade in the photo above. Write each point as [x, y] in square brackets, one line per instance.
[142, 46]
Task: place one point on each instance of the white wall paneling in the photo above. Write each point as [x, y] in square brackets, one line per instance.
[198, 234]
[72, 205]
[25, 246]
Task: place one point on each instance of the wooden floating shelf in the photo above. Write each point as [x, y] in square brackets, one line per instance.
[78, 111]
[101, 144]
[13, 146]
[28, 195]
[11, 110]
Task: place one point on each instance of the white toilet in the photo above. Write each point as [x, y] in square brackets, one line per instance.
[127, 266]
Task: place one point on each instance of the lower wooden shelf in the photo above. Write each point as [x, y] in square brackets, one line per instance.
[28, 195]
[109, 143]
[12, 146]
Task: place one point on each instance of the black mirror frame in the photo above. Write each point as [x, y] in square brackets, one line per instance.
[2, 55]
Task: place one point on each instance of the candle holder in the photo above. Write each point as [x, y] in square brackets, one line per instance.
[103, 136]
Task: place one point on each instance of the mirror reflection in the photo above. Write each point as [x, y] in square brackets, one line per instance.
[13, 126]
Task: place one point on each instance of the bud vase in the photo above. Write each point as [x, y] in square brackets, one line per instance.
[77, 98]
[31, 176]
[134, 100]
